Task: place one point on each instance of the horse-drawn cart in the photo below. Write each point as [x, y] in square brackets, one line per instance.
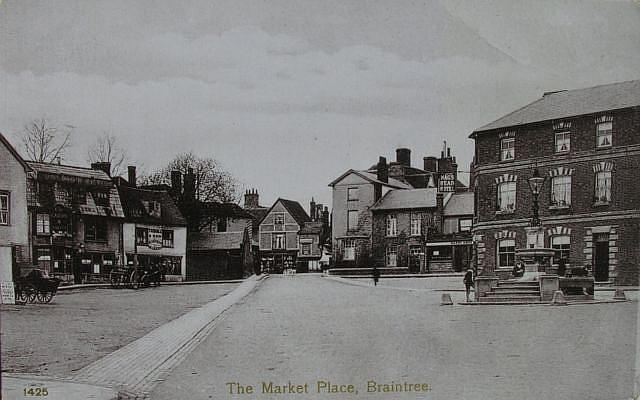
[36, 285]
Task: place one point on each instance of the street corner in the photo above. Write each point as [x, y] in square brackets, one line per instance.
[25, 386]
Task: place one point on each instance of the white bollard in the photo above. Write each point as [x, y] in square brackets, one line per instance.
[558, 298]
[619, 295]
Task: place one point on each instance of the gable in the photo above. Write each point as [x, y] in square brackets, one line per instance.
[353, 179]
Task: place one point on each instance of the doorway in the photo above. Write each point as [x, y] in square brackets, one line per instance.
[601, 258]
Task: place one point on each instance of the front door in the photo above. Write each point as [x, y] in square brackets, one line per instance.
[601, 260]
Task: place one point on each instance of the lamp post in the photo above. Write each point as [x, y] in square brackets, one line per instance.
[536, 182]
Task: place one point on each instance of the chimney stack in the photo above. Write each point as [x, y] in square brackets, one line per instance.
[190, 185]
[251, 199]
[430, 164]
[102, 166]
[176, 183]
[131, 170]
[383, 170]
[403, 157]
[313, 210]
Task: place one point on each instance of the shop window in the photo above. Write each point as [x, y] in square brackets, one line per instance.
[392, 256]
[562, 246]
[352, 220]
[167, 238]
[603, 187]
[142, 236]
[392, 225]
[4, 208]
[507, 149]
[507, 196]
[349, 252]
[604, 134]
[561, 191]
[506, 253]
[43, 226]
[95, 230]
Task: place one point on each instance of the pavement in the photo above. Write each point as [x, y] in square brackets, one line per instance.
[131, 371]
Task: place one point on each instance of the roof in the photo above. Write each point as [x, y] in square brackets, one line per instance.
[132, 201]
[459, 204]
[216, 209]
[13, 151]
[405, 199]
[257, 214]
[59, 169]
[294, 208]
[568, 103]
[216, 240]
[373, 178]
[311, 228]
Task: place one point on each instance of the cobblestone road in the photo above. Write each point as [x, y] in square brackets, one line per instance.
[307, 328]
[81, 326]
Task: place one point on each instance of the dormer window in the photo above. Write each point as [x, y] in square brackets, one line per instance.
[153, 208]
[507, 149]
[101, 198]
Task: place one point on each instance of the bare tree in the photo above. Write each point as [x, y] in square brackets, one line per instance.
[212, 183]
[106, 149]
[45, 142]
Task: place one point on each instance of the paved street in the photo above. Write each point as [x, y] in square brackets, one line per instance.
[306, 329]
[81, 326]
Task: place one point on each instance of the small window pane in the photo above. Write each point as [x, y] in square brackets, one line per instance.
[563, 143]
[604, 131]
[507, 149]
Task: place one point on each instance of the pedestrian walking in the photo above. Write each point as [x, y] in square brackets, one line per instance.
[468, 282]
[376, 276]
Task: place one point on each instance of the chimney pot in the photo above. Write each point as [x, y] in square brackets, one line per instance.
[131, 170]
[403, 156]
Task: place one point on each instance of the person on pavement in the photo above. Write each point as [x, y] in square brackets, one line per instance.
[468, 282]
[376, 275]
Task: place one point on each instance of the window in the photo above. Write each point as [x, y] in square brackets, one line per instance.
[603, 187]
[43, 224]
[416, 224]
[101, 198]
[392, 256]
[352, 194]
[392, 225]
[349, 249]
[306, 249]
[96, 230]
[4, 208]
[507, 149]
[561, 191]
[43, 254]
[563, 142]
[79, 197]
[415, 250]
[278, 221]
[604, 131]
[465, 224]
[167, 238]
[222, 225]
[278, 241]
[507, 196]
[506, 253]
[561, 245]
[142, 236]
[352, 220]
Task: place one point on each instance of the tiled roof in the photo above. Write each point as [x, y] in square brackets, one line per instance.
[311, 228]
[570, 103]
[132, 202]
[216, 240]
[295, 209]
[215, 209]
[58, 169]
[459, 204]
[407, 199]
[257, 213]
[373, 178]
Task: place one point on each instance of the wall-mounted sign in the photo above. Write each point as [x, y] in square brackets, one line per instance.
[155, 239]
[8, 293]
[447, 182]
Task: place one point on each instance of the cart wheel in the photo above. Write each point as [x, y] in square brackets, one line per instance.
[45, 297]
[30, 293]
[21, 295]
[115, 279]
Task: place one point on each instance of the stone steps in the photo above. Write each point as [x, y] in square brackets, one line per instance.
[509, 291]
[513, 292]
[512, 299]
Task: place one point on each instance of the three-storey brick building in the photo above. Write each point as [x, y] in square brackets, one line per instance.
[587, 144]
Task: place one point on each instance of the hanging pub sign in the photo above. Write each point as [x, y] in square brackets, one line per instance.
[447, 182]
[155, 239]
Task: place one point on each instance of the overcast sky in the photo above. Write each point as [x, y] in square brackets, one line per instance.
[287, 95]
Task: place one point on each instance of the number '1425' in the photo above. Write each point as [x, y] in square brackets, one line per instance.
[36, 391]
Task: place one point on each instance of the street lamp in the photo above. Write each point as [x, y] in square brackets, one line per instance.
[536, 182]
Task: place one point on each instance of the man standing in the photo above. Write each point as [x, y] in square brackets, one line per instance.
[376, 275]
[468, 282]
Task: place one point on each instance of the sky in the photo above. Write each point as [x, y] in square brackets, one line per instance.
[287, 95]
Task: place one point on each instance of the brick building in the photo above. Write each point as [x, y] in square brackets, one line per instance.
[356, 191]
[587, 144]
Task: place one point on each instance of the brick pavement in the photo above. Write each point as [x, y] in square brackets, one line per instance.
[134, 369]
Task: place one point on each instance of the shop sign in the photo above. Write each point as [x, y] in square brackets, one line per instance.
[447, 182]
[155, 239]
[8, 293]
